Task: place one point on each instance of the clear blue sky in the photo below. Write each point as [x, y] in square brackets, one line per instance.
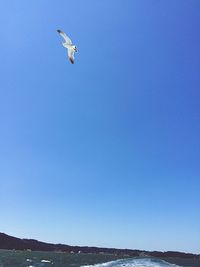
[104, 152]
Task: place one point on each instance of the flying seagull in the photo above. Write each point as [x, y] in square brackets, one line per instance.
[68, 44]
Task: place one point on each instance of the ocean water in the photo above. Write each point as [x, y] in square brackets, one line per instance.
[136, 262]
[13, 258]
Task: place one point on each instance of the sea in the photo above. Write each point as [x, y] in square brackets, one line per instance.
[135, 262]
[12, 258]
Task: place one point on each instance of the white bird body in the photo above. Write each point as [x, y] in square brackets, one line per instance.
[68, 44]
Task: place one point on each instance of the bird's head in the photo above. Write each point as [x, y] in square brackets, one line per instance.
[75, 48]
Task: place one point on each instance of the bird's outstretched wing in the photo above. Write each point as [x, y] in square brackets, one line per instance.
[71, 55]
[66, 38]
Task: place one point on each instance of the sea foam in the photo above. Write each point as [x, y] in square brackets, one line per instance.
[136, 262]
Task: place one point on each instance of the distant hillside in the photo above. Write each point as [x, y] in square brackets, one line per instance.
[9, 242]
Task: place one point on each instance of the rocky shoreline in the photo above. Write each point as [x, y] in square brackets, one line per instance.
[14, 243]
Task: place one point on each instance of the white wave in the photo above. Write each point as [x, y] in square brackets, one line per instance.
[47, 261]
[136, 262]
[105, 264]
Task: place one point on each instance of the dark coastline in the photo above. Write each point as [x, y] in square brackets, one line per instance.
[180, 258]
